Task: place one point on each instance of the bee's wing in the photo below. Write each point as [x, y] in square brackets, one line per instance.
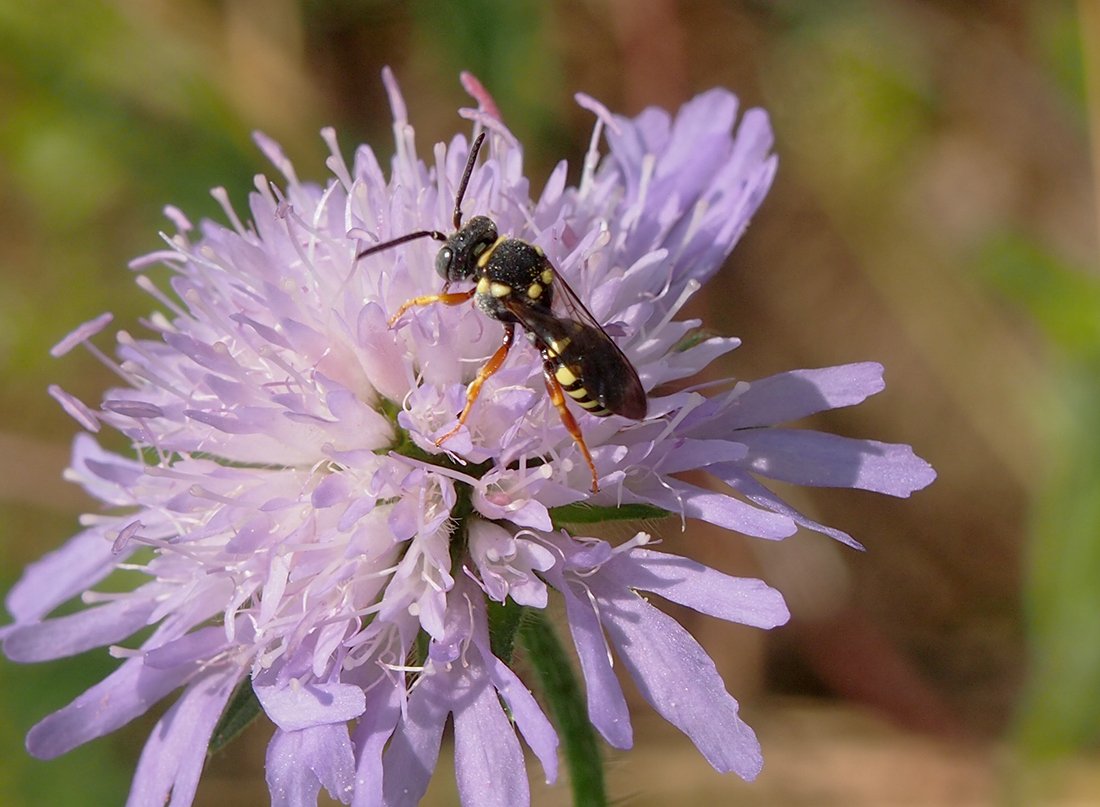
[629, 398]
[578, 342]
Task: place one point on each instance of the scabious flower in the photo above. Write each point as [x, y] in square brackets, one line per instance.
[297, 529]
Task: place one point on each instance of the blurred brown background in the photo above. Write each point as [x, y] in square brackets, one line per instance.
[934, 211]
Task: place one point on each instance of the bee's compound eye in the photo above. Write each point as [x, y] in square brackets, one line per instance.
[443, 260]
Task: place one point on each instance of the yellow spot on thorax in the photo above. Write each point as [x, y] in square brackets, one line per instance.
[483, 259]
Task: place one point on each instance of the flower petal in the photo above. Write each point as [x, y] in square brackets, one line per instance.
[737, 599]
[527, 715]
[294, 705]
[372, 732]
[688, 455]
[785, 397]
[718, 509]
[62, 574]
[414, 748]
[681, 682]
[827, 460]
[488, 759]
[300, 762]
[607, 707]
[749, 487]
[116, 700]
[75, 633]
[173, 757]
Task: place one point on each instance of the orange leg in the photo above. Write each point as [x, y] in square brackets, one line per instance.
[487, 370]
[455, 298]
[558, 399]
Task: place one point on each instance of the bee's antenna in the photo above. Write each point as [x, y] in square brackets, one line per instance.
[438, 236]
[435, 234]
[474, 149]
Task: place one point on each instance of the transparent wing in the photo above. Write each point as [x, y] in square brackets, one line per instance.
[572, 307]
[575, 340]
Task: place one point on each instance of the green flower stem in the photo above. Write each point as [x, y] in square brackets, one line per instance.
[504, 621]
[566, 702]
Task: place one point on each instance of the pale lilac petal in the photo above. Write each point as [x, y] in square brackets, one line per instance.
[184, 650]
[299, 763]
[333, 490]
[274, 152]
[106, 476]
[414, 748]
[737, 599]
[116, 700]
[521, 511]
[607, 707]
[828, 460]
[75, 633]
[372, 732]
[508, 565]
[751, 489]
[698, 140]
[785, 397]
[172, 760]
[524, 711]
[488, 759]
[62, 574]
[268, 333]
[294, 705]
[527, 715]
[677, 366]
[289, 780]
[689, 455]
[381, 355]
[680, 681]
[721, 510]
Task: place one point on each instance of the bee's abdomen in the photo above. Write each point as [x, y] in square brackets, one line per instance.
[572, 384]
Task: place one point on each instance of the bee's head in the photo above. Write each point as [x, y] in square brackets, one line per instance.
[457, 258]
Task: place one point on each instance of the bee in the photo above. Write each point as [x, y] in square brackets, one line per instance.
[515, 283]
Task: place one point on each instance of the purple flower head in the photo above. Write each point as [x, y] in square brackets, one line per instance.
[299, 529]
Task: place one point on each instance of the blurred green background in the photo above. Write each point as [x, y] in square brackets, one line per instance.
[934, 210]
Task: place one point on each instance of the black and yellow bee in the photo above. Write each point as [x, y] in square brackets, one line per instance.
[515, 283]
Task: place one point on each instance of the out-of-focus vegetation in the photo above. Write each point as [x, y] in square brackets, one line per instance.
[935, 210]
